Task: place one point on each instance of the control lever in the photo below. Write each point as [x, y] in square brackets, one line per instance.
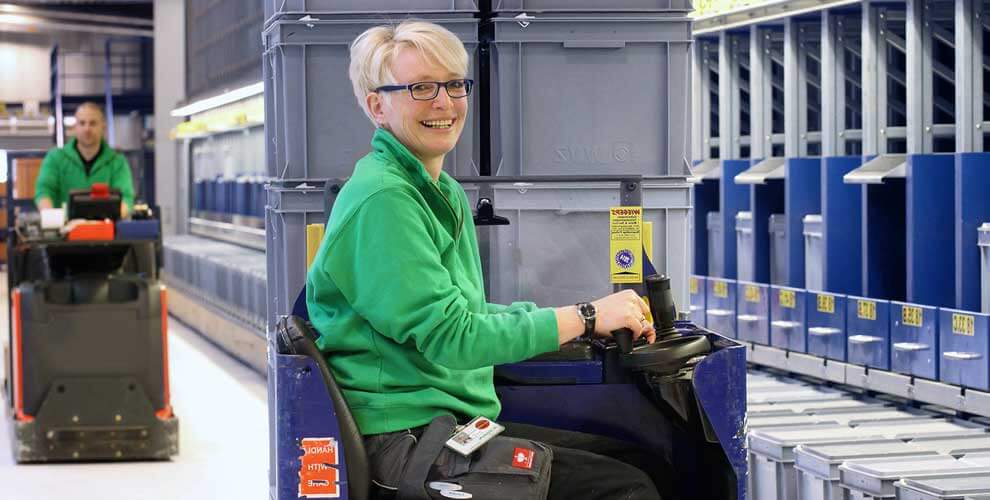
[661, 305]
[623, 337]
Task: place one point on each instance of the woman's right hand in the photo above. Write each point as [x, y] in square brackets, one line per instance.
[625, 309]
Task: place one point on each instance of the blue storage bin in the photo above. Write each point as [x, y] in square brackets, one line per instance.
[242, 196]
[868, 332]
[964, 346]
[826, 325]
[753, 306]
[220, 195]
[136, 229]
[260, 197]
[720, 309]
[745, 246]
[199, 195]
[696, 291]
[914, 339]
[788, 319]
[209, 195]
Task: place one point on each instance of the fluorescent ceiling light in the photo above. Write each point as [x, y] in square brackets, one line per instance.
[220, 100]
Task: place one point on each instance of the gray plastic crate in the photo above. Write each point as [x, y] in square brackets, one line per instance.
[289, 211]
[546, 72]
[744, 246]
[556, 225]
[945, 488]
[875, 477]
[778, 249]
[313, 125]
[591, 6]
[716, 244]
[315, 8]
[814, 253]
[817, 466]
[984, 242]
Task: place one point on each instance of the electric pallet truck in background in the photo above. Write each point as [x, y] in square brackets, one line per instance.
[87, 372]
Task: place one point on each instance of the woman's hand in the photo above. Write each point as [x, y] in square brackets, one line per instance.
[624, 309]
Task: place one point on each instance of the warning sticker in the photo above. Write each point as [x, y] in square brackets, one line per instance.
[626, 244]
[318, 476]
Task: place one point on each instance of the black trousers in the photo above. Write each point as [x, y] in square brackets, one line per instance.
[585, 466]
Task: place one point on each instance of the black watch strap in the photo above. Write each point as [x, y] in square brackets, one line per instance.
[588, 313]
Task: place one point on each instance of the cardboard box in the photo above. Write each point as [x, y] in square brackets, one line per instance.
[25, 175]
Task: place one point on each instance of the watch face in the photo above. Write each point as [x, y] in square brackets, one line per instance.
[587, 310]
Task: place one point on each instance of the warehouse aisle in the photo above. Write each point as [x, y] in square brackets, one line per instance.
[223, 432]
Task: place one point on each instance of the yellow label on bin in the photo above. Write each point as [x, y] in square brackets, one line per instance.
[866, 309]
[626, 243]
[752, 293]
[963, 324]
[693, 285]
[826, 303]
[788, 299]
[911, 316]
[721, 289]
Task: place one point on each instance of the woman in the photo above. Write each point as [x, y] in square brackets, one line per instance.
[397, 293]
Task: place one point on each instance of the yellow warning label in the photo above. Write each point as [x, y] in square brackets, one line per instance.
[788, 299]
[693, 284]
[626, 244]
[866, 309]
[720, 289]
[826, 303]
[752, 293]
[963, 324]
[911, 316]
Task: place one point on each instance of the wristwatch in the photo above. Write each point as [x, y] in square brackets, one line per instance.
[588, 314]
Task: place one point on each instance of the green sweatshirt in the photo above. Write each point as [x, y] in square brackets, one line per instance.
[397, 295]
[62, 170]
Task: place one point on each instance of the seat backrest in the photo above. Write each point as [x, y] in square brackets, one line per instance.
[297, 336]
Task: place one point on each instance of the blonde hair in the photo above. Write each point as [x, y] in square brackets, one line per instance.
[373, 51]
[92, 106]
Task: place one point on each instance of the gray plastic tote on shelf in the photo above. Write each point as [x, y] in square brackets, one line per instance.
[745, 263]
[592, 6]
[313, 125]
[315, 8]
[814, 263]
[546, 71]
[984, 243]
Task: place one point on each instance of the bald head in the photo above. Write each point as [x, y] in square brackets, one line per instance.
[90, 125]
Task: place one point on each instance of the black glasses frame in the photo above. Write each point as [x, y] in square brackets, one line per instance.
[468, 85]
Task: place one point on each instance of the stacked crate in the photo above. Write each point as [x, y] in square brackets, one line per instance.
[563, 88]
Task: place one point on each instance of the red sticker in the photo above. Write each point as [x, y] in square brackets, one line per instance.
[318, 476]
[522, 458]
[482, 424]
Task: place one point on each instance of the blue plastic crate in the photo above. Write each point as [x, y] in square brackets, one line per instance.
[826, 325]
[914, 339]
[964, 346]
[788, 319]
[721, 306]
[697, 291]
[753, 318]
[137, 229]
[868, 332]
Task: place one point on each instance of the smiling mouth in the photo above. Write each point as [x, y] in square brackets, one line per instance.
[437, 124]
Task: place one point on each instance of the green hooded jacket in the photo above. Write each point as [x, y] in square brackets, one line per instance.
[62, 170]
[397, 295]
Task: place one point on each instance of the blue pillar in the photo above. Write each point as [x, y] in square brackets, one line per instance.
[842, 238]
[733, 198]
[929, 230]
[972, 197]
[802, 197]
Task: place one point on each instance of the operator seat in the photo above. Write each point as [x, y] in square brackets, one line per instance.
[296, 336]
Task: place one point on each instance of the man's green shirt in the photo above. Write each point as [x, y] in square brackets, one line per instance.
[63, 170]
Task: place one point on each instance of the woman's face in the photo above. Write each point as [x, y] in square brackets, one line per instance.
[429, 129]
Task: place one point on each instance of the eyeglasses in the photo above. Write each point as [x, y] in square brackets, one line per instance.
[427, 91]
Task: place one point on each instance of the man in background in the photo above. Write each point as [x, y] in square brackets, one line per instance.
[84, 160]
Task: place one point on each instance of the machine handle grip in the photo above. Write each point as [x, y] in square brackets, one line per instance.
[623, 337]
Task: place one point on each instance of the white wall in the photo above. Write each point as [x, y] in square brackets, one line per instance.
[170, 85]
[26, 70]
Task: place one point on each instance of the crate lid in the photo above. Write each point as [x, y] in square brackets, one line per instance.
[893, 468]
[957, 445]
[770, 168]
[779, 444]
[926, 427]
[950, 487]
[878, 169]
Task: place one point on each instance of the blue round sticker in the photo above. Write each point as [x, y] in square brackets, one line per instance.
[624, 259]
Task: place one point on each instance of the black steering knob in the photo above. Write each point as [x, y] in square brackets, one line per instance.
[661, 304]
[624, 338]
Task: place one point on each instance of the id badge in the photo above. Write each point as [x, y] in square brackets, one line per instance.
[473, 435]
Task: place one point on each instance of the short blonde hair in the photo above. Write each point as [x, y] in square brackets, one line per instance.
[373, 51]
[92, 106]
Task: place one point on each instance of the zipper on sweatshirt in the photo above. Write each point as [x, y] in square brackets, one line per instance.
[457, 221]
